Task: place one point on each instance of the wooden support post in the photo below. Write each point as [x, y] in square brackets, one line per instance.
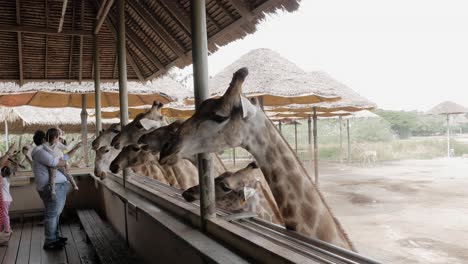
[279, 127]
[309, 135]
[7, 137]
[20, 44]
[341, 138]
[97, 85]
[84, 129]
[200, 81]
[315, 148]
[234, 156]
[349, 141]
[295, 135]
[62, 16]
[448, 136]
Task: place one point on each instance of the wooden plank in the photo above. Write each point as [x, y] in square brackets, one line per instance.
[101, 8]
[46, 39]
[242, 8]
[71, 249]
[86, 252]
[13, 244]
[47, 31]
[102, 251]
[70, 59]
[36, 242]
[25, 244]
[20, 44]
[179, 13]
[118, 243]
[80, 71]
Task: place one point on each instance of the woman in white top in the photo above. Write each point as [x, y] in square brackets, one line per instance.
[7, 199]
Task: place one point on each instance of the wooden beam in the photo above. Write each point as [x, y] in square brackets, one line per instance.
[70, 61]
[100, 19]
[142, 10]
[145, 50]
[135, 66]
[115, 66]
[242, 7]
[179, 14]
[47, 40]
[80, 73]
[113, 30]
[62, 16]
[20, 44]
[101, 8]
[226, 11]
[47, 31]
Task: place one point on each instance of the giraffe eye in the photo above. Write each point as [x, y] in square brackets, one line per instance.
[219, 119]
[225, 187]
[135, 148]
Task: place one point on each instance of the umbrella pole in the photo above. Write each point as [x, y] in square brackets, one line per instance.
[295, 135]
[84, 129]
[279, 127]
[349, 141]
[315, 148]
[97, 85]
[7, 137]
[448, 136]
[200, 81]
[341, 139]
[234, 156]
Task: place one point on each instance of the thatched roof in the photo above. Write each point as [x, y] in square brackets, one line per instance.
[446, 108]
[276, 79]
[60, 94]
[350, 100]
[33, 47]
[174, 110]
[27, 119]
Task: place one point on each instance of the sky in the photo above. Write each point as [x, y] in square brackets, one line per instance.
[401, 54]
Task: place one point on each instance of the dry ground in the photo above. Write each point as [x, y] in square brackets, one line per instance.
[412, 211]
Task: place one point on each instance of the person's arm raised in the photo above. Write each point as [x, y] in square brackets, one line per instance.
[4, 158]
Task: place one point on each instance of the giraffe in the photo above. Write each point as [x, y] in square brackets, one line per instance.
[104, 152]
[181, 175]
[241, 191]
[142, 124]
[234, 121]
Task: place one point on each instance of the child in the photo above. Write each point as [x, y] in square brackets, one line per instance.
[56, 148]
[7, 199]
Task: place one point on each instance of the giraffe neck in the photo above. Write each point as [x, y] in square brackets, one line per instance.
[301, 205]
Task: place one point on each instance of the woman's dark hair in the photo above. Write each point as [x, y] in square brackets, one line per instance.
[39, 137]
[6, 172]
[52, 133]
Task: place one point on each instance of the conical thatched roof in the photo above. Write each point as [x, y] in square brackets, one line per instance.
[277, 80]
[27, 119]
[350, 100]
[446, 108]
[62, 94]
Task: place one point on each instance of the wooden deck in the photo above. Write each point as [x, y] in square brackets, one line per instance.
[26, 243]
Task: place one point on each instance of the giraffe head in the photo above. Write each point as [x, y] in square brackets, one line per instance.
[160, 137]
[142, 124]
[130, 156]
[218, 124]
[234, 191]
[104, 152]
[105, 138]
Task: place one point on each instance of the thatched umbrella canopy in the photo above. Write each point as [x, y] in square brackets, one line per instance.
[350, 100]
[27, 119]
[275, 79]
[447, 108]
[60, 94]
[173, 110]
[40, 43]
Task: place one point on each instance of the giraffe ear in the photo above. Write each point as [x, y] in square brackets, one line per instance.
[148, 124]
[248, 109]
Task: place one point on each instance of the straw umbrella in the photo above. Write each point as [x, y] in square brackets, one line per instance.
[447, 108]
[172, 110]
[274, 79]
